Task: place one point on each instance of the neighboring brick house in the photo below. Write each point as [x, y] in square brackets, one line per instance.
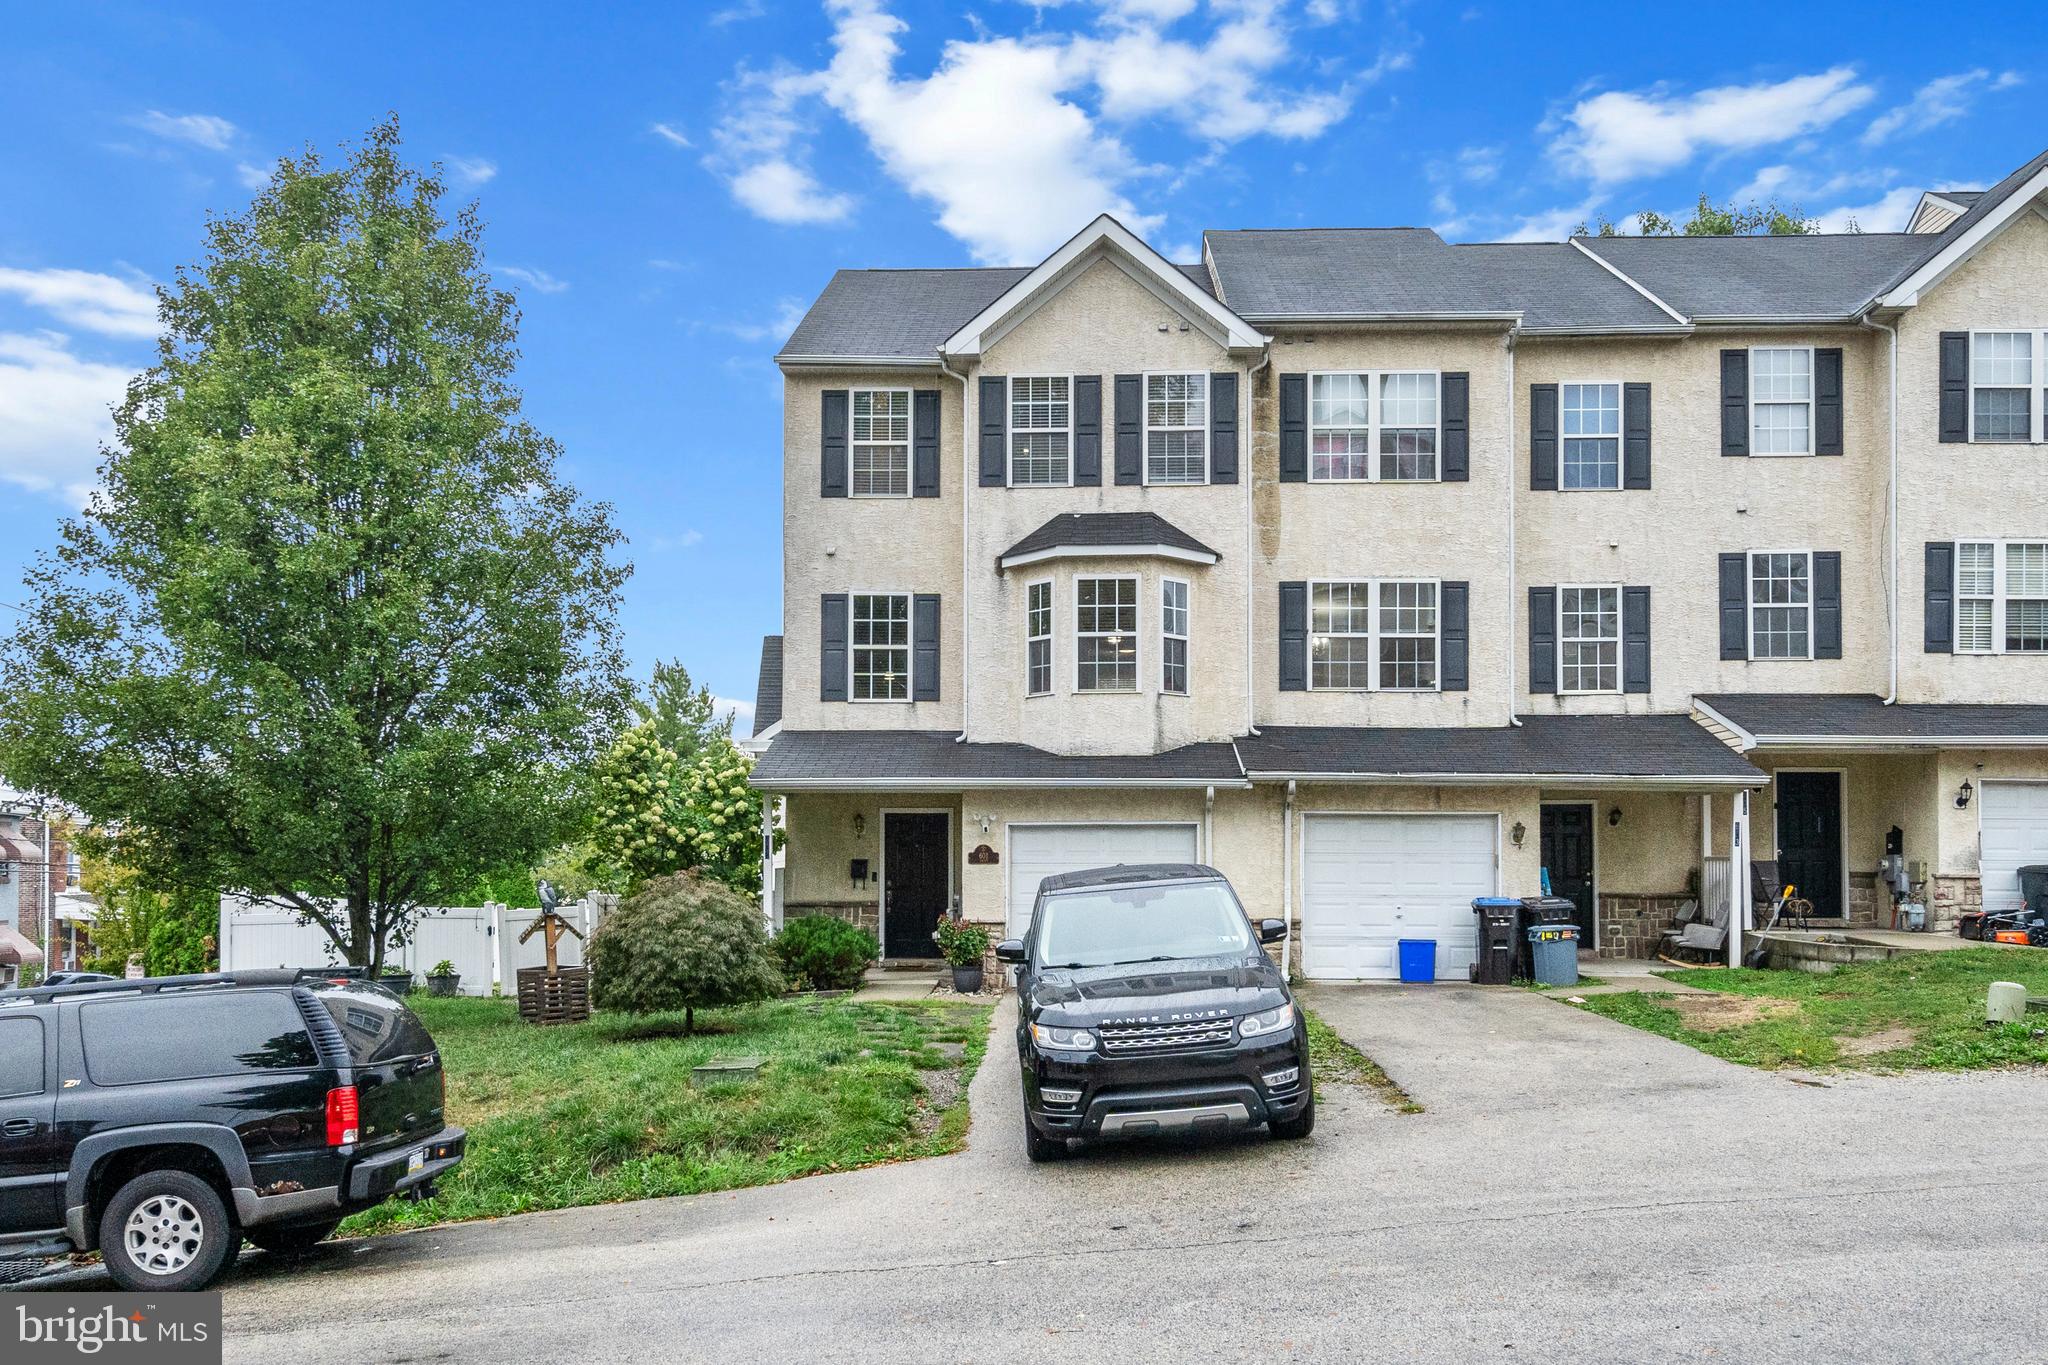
[1382, 573]
[32, 876]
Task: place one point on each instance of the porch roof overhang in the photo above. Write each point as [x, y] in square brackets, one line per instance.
[1107, 535]
[937, 761]
[1642, 752]
[1861, 720]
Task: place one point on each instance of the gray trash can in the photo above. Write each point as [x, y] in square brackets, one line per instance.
[1554, 954]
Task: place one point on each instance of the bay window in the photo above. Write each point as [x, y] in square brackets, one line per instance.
[1106, 634]
[1038, 639]
[1173, 636]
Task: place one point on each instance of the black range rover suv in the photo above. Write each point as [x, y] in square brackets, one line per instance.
[163, 1121]
[1146, 1004]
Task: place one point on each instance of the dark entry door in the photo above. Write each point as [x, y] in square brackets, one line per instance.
[1810, 837]
[1568, 854]
[916, 856]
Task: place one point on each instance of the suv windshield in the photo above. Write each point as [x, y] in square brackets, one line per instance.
[1112, 925]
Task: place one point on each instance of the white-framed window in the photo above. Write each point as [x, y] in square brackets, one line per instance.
[1176, 428]
[2001, 597]
[1589, 637]
[2009, 386]
[880, 657]
[1591, 435]
[1041, 431]
[1373, 635]
[1781, 400]
[1106, 634]
[881, 443]
[1781, 604]
[1373, 426]
[1038, 638]
[1173, 636]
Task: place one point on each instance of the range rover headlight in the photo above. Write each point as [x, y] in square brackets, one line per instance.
[1069, 1039]
[1266, 1021]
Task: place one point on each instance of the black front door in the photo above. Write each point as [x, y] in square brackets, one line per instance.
[1568, 857]
[916, 857]
[1810, 838]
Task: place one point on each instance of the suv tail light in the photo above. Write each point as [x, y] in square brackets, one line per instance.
[344, 1115]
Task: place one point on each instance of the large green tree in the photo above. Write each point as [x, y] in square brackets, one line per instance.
[332, 630]
[1709, 219]
[684, 715]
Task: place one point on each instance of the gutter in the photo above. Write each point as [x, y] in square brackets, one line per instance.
[863, 362]
[1606, 780]
[1511, 317]
[1514, 721]
[1891, 694]
[949, 784]
[966, 593]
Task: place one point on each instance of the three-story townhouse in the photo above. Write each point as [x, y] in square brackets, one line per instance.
[1383, 573]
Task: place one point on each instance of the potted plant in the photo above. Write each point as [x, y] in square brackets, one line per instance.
[443, 979]
[397, 980]
[963, 945]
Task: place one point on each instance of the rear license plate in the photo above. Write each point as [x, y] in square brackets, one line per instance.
[417, 1160]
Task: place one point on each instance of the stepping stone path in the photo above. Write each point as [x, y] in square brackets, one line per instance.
[725, 1070]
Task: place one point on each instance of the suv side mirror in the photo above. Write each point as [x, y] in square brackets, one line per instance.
[1272, 930]
[1010, 950]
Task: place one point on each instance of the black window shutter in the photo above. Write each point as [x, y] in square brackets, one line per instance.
[1955, 387]
[1735, 606]
[1941, 596]
[1543, 639]
[1635, 639]
[1130, 428]
[1827, 400]
[1455, 462]
[1635, 435]
[832, 446]
[1734, 403]
[1827, 604]
[1223, 427]
[924, 443]
[1294, 637]
[995, 431]
[1542, 436]
[1453, 627]
[1294, 428]
[1088, 430]
[832, 647]
[924, 647]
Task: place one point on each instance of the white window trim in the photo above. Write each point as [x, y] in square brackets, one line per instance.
[1011, 429]
[909, 442]
[1372, 633]
[1620, 433]
[909, 647]
[1186, 637]
[1146, 429]
[1750, 605]
[1812, 395]
[2037, 381]
[1998, 593]
[1619, 631]
[1052, 625]
[1372, 429]
[1137, 635]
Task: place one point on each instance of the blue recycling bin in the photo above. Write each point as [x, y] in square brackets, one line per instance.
[1418, 959]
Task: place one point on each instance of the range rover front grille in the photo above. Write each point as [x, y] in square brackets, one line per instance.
[1166, 1037]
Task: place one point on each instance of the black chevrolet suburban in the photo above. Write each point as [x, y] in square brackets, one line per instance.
[163, 1121]
[1146, 1004]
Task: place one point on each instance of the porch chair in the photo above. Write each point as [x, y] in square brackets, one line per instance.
[1695, 936]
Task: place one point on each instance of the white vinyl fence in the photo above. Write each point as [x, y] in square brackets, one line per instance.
[482, 942]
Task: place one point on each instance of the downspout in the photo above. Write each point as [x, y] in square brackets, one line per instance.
[1513, 720]
[1287, 881]
[1891, 694]
[1209, 825]
[966, 596]
[1249, 466]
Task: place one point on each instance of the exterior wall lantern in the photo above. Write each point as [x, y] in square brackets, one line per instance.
[860, 824]
[1518, 833]
[1963, 796]
[1614, 817]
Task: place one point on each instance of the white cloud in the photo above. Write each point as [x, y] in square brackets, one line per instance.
[54, 414]
[789, 312]
[533, 278]
[670, 134]
[1942, 100]
[201, 130]
[1618, 135]
[1553, 225]
[252, 176]
[742, 714]
[679, 540]
[470, 171]
[783, 192]
[1887, 214]
[83, 298]
[733, 14]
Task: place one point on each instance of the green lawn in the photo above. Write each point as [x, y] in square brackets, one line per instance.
[1919, 1011]
[604, 1111]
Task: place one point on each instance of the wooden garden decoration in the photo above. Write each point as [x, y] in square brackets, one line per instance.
[553, 994]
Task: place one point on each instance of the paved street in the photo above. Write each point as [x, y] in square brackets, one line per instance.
[1662, 1207]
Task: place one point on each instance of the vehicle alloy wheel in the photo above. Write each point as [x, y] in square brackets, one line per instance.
[167, 1231]
[163, 1234]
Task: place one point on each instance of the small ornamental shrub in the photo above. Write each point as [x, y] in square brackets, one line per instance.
[962, 944]
[826, 953]
[685, 943]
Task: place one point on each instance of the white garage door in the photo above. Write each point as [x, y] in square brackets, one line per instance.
[1041, 851]
[2013, 821]
[1371, 880]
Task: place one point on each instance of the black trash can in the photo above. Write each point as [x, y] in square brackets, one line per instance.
[1499, 940]
[1539, 910]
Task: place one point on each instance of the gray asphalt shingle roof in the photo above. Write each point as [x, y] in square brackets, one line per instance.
[1980, 208]
[768, 684]
[1819, 276]
[1863, 716]
[1588, 746]
[1084, 530]
[933, 759]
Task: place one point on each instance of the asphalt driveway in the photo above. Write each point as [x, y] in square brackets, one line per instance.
[1735, 1216]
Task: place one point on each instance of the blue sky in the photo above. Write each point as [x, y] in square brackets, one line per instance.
[668, 185]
